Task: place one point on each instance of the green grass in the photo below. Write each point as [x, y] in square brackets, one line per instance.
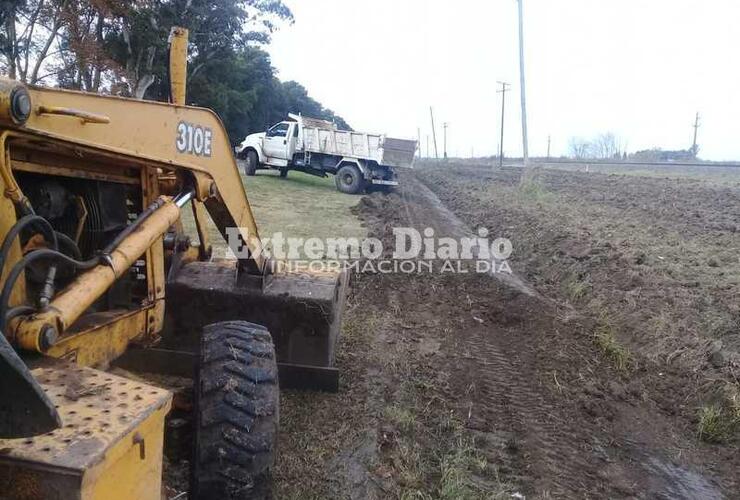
[457, 469]
[400, 417]
[612, 349]
[715, 424]
[577, 289]
[532, 188]
[301, 206]
[719, 422]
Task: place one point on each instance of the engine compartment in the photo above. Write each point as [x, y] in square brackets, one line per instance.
[91, 213]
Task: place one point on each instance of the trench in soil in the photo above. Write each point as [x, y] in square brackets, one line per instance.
[483, 386]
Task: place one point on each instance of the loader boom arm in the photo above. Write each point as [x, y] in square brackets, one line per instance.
[163, 135]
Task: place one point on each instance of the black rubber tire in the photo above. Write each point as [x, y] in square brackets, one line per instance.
[284, 173]
[250, 167]
[349, 180]
[236, 406]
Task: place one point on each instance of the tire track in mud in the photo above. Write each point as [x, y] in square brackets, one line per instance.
[546, 442]
[506, 390]
[424, 205]
[555, 454]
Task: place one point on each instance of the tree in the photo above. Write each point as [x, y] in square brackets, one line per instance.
[298, 101]
[120, 47]
[607, 145]
[29, 29]
[123, 42]
[243, 90]
[579, 148]
[604, 146]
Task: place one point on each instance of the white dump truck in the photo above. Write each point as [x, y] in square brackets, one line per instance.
[358, 160]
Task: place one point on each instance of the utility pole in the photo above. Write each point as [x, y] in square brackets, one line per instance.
[428, 146]
[434, 133]
[444, 125]
[418, 135]
[548, 146]
[522, 87]
[504, 89]
[695, 147]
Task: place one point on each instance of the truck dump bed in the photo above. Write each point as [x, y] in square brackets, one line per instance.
[323, 137]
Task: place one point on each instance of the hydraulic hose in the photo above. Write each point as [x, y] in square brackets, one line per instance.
[69, 243]
[133, 226]
[48, 231]
[18, 311]
[39, 331]
[32, 257]
[51, 236]
[180, 200]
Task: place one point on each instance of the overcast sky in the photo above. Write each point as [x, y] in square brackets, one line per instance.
[639, 68]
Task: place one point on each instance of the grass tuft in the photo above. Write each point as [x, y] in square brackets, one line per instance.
[715, 425]
[612, 349]
[577, 289]
[457, 470]
[532, 189]
[402, 418]
[719, 422]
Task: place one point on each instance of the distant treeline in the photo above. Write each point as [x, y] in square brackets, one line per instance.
[609, 146]
[119, 47]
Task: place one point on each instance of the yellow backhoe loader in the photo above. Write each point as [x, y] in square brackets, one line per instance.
[97, 269]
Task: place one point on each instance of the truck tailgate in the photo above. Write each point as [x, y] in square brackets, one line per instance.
[398, 152]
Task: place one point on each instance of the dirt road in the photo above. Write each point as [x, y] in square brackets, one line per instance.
[467, 386]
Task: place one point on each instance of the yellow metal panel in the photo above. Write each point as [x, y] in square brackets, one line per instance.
[155, 254]
[7, 221]
[110, 445]
[133, 467]
[178, 63]
[100, 344]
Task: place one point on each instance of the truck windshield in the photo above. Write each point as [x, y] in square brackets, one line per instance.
[279, 130]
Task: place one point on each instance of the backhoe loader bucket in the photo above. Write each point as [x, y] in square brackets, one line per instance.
[301, 310]
[25, 410]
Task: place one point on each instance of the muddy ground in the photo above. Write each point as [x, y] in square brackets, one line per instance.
[605, 368]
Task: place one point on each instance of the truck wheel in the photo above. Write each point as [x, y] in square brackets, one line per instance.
[283, 173]
[236, 401]
[252, 160]
[349, 180]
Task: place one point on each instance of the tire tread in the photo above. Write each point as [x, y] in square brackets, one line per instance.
[236, 412]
